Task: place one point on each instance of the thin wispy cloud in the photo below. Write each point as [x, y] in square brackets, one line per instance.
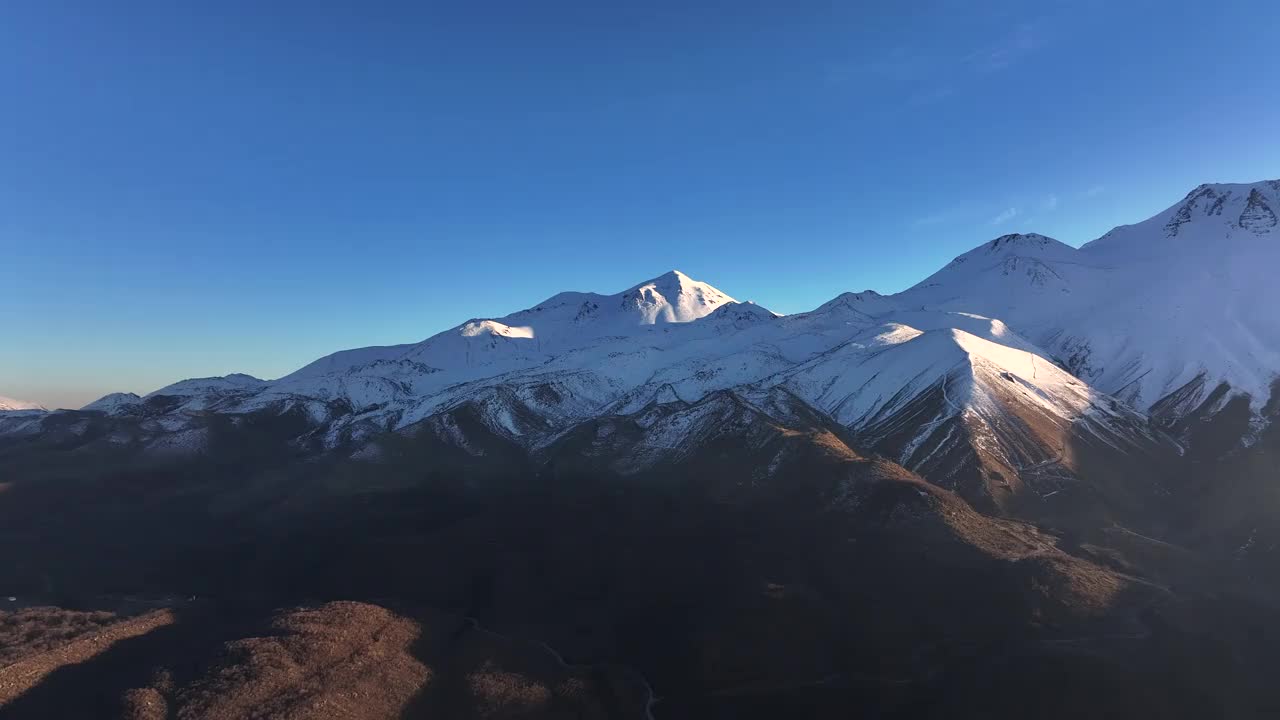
[1050, 203]
[1004, 216]
[1022, 40]
[925, 76]
[940, 218]
[929, 97]
[1094, 191]
[901, 64]
[937, 78]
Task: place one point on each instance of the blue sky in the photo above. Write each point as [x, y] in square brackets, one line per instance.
[247, 186]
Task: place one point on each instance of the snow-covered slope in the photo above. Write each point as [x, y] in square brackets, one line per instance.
[1187, 296]
[115, 403]
[211, 386]
[946, 402]
[561, 323]
[1005, 278]
[8, 404]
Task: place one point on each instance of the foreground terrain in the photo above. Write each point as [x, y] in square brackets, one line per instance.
[842, 584]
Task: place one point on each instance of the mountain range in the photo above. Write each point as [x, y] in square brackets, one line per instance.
[999, 363]
[1051, 459]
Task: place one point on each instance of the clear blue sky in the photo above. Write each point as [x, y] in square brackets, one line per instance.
[191, 189]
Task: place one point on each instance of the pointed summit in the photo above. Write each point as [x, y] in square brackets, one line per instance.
[673, 276]
[672, 297]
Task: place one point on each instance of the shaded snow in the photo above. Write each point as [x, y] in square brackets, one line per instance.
[115, 404]
[234, 383]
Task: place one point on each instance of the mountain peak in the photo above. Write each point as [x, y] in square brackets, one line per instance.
[1208, 211]
[1248, 206]
[672, 280]
[867, 302]
[673, 297]
[235, 382]
[740, 313]
[1266, 186]
[114, 403]
[1022, 242]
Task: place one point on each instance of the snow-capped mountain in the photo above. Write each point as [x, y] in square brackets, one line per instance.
[116, 403]
[210, 386]
[1184, 299]
[560, 323]
[869, 368]
[1000, 374]
[8, 404]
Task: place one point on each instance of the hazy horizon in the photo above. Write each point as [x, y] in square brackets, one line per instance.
[244, 189]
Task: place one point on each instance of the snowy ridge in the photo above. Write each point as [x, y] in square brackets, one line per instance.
[563, 322]
[1010, 350]
[226, 384]
[115, 404]
[1146, 310]
[8, 404]
[866, 384]
[868, 303]
[859, 360]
